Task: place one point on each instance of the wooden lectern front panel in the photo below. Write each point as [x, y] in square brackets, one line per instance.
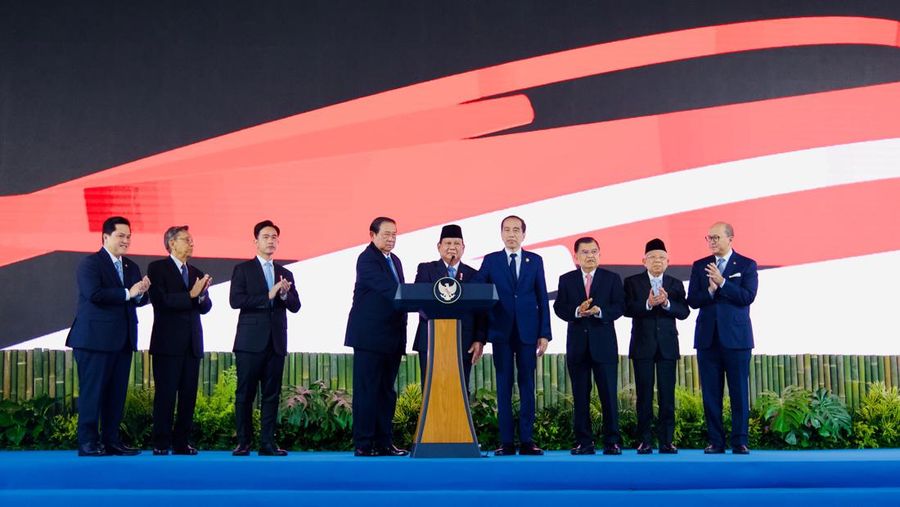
[448, 418]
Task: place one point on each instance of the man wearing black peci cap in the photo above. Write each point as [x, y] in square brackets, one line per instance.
[474, 325]
[654, 300]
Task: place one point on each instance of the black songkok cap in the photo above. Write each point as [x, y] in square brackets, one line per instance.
[655, 244]
[451, 231]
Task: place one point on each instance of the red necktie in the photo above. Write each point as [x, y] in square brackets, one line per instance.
[587, 285]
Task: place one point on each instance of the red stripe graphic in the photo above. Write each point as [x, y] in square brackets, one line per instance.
[797, 228]
[322, 175]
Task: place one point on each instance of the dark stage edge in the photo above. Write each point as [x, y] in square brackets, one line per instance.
[845, 477]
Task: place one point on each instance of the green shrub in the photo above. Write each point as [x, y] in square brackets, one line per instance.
[315, 417]
[801, 419]
[877, 421]
[25, 424]
[406, 416]
[137, 419]
[484, 417]
[553, 425]
[214, 414]
[690, 424]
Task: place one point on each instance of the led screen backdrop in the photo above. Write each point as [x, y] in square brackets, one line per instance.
[621, 120]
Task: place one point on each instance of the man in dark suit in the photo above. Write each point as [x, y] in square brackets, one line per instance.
[179, 296]
[590, 299]
[263, 291]
[519, 329]
[377, 332]
[723, 286]
[474, 325]
[103, 336]
[654, 300]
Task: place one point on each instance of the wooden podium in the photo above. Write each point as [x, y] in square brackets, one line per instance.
[445, 428]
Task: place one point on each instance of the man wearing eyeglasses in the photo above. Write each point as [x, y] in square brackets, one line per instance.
[723, 286]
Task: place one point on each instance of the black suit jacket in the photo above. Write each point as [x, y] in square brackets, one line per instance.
[474, 325]
[105, 321]
[600, 333]
[259, 319]
[176, 316]
[655, 327]
[374, 324]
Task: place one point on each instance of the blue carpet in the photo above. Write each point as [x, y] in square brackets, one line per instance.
[840, 477]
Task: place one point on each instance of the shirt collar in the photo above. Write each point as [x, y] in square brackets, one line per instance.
[510, 252]
[455, 266]
[178, 263]
[727, 257]
[263, 261]
[655, 277]
[111, 256]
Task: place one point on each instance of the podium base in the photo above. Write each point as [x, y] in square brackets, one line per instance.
[454, 450]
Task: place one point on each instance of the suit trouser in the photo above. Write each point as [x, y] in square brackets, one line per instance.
[253, 369]
[103, 387]
[467, 367]
[510, 356]
[717, 363]
[175, 377]
[605, 375]
[374, 398]
[665, 381]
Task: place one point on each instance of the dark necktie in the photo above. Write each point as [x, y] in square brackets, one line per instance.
[393, 269]
[184, 274]
[512, 268]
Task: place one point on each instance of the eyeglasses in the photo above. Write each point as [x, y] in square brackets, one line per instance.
[714, 239]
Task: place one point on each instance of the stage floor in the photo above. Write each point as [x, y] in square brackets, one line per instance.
[870, 477]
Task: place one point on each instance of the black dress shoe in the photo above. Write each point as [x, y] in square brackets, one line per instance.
[187, 450]
[91, 450]
[120, 449]
[392, 450]
[612, 450]
[505, 450]
[530, 449]
[272, 450]
[668, 449]
[365, 452]
[241, 450]
[740, 449]
[713, 449]
[644, 448]
[160, 452]
[582, 449]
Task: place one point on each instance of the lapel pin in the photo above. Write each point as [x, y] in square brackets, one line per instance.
[527, 259]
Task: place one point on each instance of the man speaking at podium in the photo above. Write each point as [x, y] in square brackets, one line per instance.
[474, 325]
[377, 333]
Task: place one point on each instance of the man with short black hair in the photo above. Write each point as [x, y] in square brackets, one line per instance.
[519, 331]
[179, 296]
[377, 332]
[263, 291]
[103, 336]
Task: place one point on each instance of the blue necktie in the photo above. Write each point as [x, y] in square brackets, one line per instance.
[270, 275]
[184, 274]
[118, 264]
[654, 283]
[512, 268]
[393, 268]
[720, 265]
[451, 271]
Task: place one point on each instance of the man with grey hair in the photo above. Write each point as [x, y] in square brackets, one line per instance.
[179, 296]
